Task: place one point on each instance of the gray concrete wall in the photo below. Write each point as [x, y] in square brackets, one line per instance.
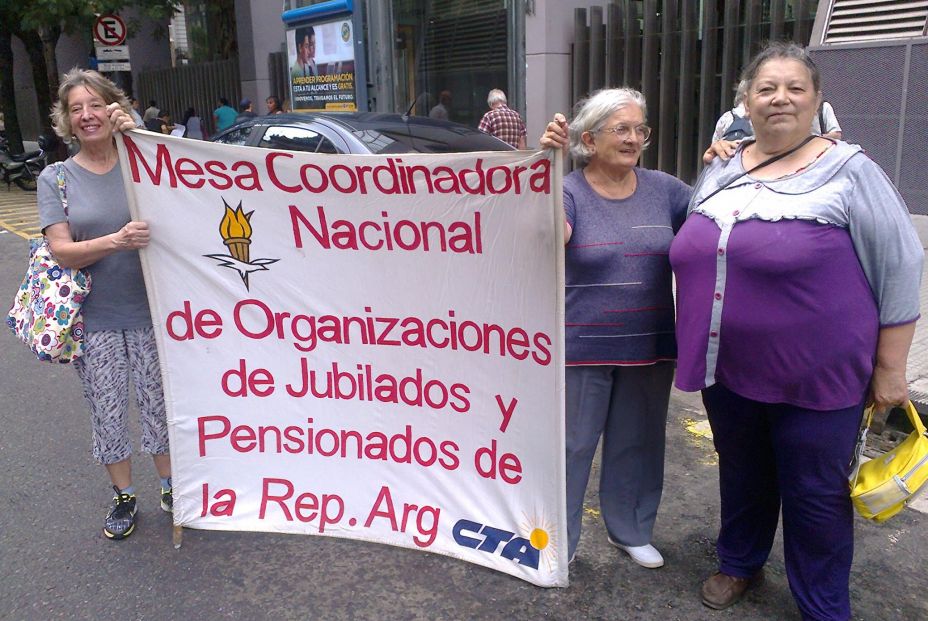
[548, 34]
[260, 31]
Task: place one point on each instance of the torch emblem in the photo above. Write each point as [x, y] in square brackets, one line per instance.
[235, 229]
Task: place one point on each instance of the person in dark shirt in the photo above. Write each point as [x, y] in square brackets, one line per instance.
[161, 123]
[245, 111]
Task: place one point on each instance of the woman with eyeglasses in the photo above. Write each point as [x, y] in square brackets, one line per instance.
[620, 347]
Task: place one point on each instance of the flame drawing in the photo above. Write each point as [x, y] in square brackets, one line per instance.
[235, 229]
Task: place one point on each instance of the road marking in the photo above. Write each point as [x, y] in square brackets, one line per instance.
[18, 213]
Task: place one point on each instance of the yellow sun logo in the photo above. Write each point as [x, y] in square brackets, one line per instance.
[539, 530]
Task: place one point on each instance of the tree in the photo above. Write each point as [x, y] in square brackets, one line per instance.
[7, 93]
[40, 23]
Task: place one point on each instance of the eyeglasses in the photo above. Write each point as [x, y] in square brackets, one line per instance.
[624, 131]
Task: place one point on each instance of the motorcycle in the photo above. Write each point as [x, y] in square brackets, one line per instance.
[22, 169]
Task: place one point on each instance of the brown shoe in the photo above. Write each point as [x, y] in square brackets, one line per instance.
[721, 590]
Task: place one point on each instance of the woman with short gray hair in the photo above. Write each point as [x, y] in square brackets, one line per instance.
[620, 347]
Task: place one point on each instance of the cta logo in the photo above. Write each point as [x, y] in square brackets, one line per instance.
[470, 534]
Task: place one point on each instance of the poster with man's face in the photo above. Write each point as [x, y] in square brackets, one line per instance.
[322, 71]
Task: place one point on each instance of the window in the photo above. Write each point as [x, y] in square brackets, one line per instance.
[457, 49]
[852, 21]
[236, 136]
[296, 139]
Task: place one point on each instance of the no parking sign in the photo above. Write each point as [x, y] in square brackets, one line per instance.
[109, 30]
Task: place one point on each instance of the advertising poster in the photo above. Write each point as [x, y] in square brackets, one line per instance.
[363, 347]
[322, 68]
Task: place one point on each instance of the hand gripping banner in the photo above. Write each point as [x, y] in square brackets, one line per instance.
[367, 347]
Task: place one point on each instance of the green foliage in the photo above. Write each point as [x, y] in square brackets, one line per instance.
[77, 16]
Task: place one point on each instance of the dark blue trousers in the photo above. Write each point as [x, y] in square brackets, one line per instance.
[773, 454]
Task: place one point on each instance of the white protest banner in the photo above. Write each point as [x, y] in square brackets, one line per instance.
[366, 347]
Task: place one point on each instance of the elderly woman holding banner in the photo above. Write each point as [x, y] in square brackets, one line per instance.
[797, 293]
[620, 343]
[84, 214]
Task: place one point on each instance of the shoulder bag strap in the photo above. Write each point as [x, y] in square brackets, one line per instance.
[858, 458]
[767, 162]
[62, 187]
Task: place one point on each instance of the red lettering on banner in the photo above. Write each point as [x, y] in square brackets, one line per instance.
[394, 177]
[224, 506]
[251, 176]
[207, 324]
[187, 167]
[297, 218]
[220, 181]
[259, 382]
[202, 434]
[509, 467]
[162, 160]
[256, 320]
[543, 355]
[383, 508]
[269, 163]
[403, 447]
[540, 181]
[460, 237]
[506, 411]
[306, 507]
[393, 185]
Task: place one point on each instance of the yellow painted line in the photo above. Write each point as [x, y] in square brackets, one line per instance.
[19, 213]
[19, 216]
[16, 231]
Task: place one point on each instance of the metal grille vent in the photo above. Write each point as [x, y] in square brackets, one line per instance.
[873, 20]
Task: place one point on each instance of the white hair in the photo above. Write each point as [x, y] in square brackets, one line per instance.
[496, 96]
[593, 112]
[741, 92]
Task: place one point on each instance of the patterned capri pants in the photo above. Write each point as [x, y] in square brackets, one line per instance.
[104, 369]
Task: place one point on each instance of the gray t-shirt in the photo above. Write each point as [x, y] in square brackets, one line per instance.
[97, 206]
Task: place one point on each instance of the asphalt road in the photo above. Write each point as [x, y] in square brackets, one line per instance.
[55, 564]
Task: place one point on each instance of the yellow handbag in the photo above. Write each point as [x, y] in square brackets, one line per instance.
[882, 487]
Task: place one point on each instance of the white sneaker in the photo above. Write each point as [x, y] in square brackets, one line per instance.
[646, 555]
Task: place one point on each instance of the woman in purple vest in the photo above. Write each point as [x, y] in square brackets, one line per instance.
[620, 343]
[797, 293]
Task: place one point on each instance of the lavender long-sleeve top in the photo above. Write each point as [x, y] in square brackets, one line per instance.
[783, 285]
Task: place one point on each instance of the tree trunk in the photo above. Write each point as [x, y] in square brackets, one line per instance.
[34, 48]
[50, 36]
[14, 135]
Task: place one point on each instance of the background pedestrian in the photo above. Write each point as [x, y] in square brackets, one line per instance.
[502, 121]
